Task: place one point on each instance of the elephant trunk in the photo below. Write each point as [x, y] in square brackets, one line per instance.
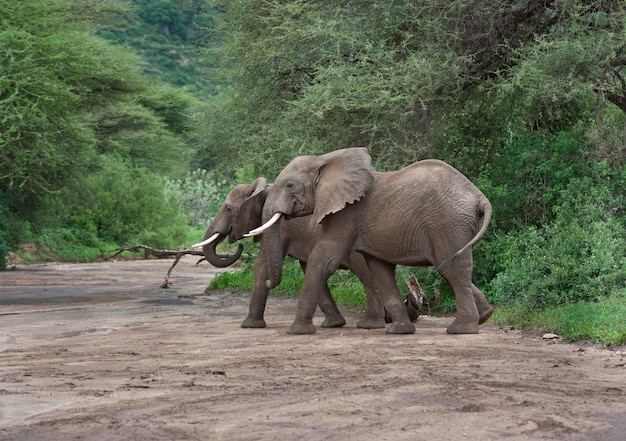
[272, 242]
[220, 260]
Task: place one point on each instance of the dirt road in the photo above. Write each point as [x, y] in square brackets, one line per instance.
[100, 352]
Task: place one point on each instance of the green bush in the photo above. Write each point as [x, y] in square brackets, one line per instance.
[199, 195]
[581, 255]
[122, 203]
[5, 232]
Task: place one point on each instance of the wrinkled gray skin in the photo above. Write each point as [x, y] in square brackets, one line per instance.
[240, 212]
[425, 214]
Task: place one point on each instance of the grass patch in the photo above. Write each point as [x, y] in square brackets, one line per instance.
[603, 321]
[345, 287]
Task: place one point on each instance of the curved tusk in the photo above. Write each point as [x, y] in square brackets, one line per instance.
[265, 226]
[207, 241]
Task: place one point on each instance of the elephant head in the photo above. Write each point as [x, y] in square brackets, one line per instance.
[240, 212]
[313, 185]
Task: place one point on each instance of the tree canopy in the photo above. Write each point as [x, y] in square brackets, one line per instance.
[414, 79]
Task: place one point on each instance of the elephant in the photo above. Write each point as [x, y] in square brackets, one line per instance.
[427, 213]
[240, 212]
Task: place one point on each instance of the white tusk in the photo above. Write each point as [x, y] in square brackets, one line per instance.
[207, 241]
[265, 226]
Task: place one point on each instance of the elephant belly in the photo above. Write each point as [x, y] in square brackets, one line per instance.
[397, 247]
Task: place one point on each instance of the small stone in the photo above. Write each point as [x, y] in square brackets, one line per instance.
[549, 336]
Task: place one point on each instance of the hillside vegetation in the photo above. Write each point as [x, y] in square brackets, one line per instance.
[129, 121]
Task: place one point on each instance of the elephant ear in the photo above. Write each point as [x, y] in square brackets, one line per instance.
[258, 186]
[252, 207]
[343, 177]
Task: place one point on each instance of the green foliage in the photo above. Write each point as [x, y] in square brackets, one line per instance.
[8, 237]
[149, 126]
[454, 80]
[240, 279]
[603, 321]
[166, 15]
[71, 101]
[123, 204]
[530, 174]
[198, 195]
[580, 255]
[168, 35]
[42, 76]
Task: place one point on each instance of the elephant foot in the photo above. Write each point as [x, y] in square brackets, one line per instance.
[253, 322]
[484, 316]
[463, 328]
[300, 328]
[371, 323]
[334, 322]
[401, 328]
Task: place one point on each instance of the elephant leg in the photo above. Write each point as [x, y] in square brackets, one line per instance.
[484, 308]
[327, 304]
[384, 274]
[258, 298]
[320, 266]
[374, 317]
[459, 275]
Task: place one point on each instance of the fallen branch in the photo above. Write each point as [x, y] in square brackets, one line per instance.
[416, 302]
[161, 254]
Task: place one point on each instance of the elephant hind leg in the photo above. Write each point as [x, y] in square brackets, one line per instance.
[484, 308]
[374, 317]
[384, 274]
[459, 275]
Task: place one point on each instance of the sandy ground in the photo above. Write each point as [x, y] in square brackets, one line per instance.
[101, 352]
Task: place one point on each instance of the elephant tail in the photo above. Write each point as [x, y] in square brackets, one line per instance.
[484, 210]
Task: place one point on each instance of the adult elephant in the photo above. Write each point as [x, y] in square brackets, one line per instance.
[425, 214]
[240, 212]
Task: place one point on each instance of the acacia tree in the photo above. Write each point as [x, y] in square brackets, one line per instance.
[407, 79]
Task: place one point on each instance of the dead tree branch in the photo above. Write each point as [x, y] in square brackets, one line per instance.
[161, 254]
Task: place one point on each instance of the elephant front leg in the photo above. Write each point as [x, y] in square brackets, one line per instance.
[319, 268]
[327, 304]
[258, 298]
[374, 316]
[384, 274]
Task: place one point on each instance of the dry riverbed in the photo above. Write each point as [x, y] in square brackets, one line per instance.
[101, 352]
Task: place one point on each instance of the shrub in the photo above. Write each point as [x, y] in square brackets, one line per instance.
[5, 232]
[579, 256]
[198, 195]
[122, 203]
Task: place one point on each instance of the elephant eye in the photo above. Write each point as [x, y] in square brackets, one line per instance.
[290, 185]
